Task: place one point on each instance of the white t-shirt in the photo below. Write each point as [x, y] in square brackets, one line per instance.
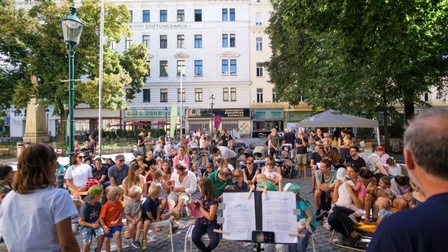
[28, 221]
[79, 174]
[226, 153]
[344, 198]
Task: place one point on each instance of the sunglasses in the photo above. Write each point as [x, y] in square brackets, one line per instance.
[249, 163]
[121, 160]
[180, 169]
[81, 157]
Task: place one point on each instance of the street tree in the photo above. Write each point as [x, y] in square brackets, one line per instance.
[32, 40]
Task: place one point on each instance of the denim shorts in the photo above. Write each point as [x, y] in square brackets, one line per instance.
[88, 233]
[112, 231]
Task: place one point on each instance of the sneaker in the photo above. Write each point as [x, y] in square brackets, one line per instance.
[136, 244]
[352, 217]
[355, 240]
[143, 245]
[345, 240]
[317, 212]
[321, 215]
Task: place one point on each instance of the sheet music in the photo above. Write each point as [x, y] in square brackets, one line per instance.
[239, 216]
[278, 215]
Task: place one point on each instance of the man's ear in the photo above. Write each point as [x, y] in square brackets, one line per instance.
[409, 159]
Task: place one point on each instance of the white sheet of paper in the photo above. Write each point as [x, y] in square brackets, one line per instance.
[278, 215]
[239, 216]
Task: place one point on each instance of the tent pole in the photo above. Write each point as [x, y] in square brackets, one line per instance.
[378, 135]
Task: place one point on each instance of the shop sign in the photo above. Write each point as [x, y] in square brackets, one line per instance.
[268, 114]
[146, 113]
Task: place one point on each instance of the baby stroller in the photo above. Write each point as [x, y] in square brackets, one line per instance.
[285, 161]
[259, 154]
[202, 159]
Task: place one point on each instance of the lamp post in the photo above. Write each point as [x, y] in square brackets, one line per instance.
[166, 118]
[211, 114]
[72, 29]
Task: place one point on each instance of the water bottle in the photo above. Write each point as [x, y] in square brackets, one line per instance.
[187, 209]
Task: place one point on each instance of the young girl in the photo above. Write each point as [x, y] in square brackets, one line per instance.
[133, 213]
[393, 169]
[369, 187]
[402, 192]
[164, 189]
[383, 189]
[196, 171]
[208, 206]
[270, 174]
[305, 213]
[151, 212]
[110, 217]
[208, 170]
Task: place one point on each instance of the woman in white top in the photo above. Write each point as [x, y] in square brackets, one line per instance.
[78, 173]
[41, 212]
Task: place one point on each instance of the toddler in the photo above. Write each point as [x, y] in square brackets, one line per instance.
[164, 189]
[238, 180]
[383, 189]
[133, 213]
[383, 205]
[110, 217]
[263, 181]
[150, 175]
[270, 174]
[89, 219]
[151, 212]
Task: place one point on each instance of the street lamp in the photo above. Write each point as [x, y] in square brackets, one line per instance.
[166, 118]
[213, 116]
[72, 29]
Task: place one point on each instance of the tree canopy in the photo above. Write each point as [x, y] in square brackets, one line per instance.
[358, 56]
[32, 41]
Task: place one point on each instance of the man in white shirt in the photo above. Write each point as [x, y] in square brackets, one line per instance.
[184, 184]
[226, 153]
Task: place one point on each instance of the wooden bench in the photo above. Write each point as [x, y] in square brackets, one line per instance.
[5, 151]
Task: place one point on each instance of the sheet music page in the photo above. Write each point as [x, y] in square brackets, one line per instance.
[278, 215]
[239, 216]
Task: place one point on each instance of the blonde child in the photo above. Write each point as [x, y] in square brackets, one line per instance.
[309, 225]
[133, 213]
[110, 217]
[164, 189]
[383, 205]
[263, 181]
[151, 212]
[196, 171]
[89, 219]
[238, 180]
[384, 189]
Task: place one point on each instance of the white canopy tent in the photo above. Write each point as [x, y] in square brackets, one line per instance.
[332, 118]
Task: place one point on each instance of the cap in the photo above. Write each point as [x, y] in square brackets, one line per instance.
[94, 191]
[341, 174]
[120, 156]
[290, 187]
[379, 148]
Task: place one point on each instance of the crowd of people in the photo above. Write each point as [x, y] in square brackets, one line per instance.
[347, 189]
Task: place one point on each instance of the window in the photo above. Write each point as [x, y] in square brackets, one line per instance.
[131, 14]
[259, 69]
[259, 95]
[146, 95]
[114, 45]
[259, 44]
[180, 67]
[180, 95]
[274, 95]
[426, 99]
[197, 41]
[145, 40]
[163, 95]
[226, 16]
[233, 94]
[198, 15]
[227, 65]
[180, 41]
[127, 43]
[198, 68]
[258, 19]
[145, 16]
[163, 68]
[149, 69]
[198, 95]
[180, 15]
[225, 94]
[163, 16]
[163, 41]
[228, 40]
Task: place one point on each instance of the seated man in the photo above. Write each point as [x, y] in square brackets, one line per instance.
[325, 179]
[184, 183]
[220, 179]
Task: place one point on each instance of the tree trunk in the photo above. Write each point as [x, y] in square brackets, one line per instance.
[62, 127]
[409, 103]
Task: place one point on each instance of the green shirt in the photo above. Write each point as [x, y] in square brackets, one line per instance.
[268, 184]
[218, 186]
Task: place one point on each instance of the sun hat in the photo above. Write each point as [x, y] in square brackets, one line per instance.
[94, 191]
[290, 187]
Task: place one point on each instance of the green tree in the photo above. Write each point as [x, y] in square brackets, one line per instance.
[32, 40]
